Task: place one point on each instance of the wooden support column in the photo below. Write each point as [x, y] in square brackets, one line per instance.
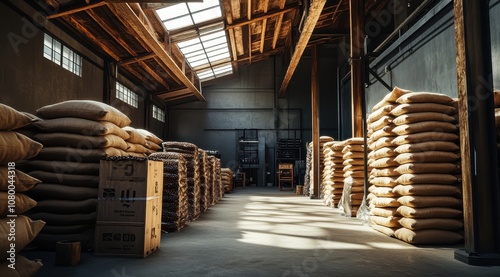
[357, 13]
[481, 196]
[315, 122]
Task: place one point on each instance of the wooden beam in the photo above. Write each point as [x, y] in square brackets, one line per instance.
[479, 161]
[175, 93]
[232, 42]
[155, 75]
[336, 12]
[250, 42]
[315, 122]
[312, 18]
[265, 4]
[136, 59]
[263, 35]
[240, 23]
[357, 14]
[277, 30]
[76, 9]
[282, 4]
[128, 17]
[249, 10]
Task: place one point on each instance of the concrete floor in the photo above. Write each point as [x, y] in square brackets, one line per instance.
[266, 232]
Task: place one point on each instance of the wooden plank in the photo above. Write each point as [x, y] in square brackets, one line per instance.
[312, 18]
[277, 30]
[263, 35]
[240, 23]
[238, 33]
[315, 121]
[249, 9]
[357, 14]
[232, 42]
[173, 94]
[155, 75]
[250, 42]
[265, 4]
[136, 59]
[76, 9]
[282, 4]
[128, 17]
[235, 9]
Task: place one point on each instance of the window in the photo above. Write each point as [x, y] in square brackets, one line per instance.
[62, 55]
[158, 113]
[126, 95]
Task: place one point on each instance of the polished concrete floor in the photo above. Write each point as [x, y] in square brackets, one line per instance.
[266, 232]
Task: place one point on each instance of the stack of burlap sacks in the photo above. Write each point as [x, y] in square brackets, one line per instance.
[215, 176]
[227, 179]
[190, 153]
[307, 176]
[327, 175]
[175, 213]
[353, 162]
[322, 141]
[218, 179]
[418, 199]
[14, 183]
[204, 180]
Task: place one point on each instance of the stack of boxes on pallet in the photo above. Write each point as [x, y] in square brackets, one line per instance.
[129, 208]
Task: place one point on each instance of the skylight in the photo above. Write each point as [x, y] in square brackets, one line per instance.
[208, 51]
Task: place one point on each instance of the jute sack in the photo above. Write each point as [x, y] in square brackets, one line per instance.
[382, 153]
[391, 97]
[385, 202]
[383, 192]
[65, 167]
[392, 222]
[431, 223]
[12, 119]
[422, 107]
[427, 189]
[66, 178]
[422, 117]
[353, 148]
[384, 172]
[384, 211]
[429, 236]
[354, 140]
[420, 201]
[15, 147]
[427, 178]
[135, 136]
[427, 157]
[22, 181]
[152, 145]
[24, 267]
[81, 141]
[431, 212]
[428, 168]
[62, 192]
[150, 136]
[427, 126]
[383, 182]
[353, 168]
[384, 162]
[66, 206]
[353, 161]
[386, 131]
[447, 146]
[353, 155]
[388, 231]
[350, 173]
[88, 109]
[380, 123]
[26, 231]
[61, 153]
[377, 114]
[425, 97]
[23, 204]
[136, 148]
[80, 126]
[381, 142]
[65, 219]
[425, 136]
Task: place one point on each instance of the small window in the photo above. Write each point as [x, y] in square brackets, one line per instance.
[126, 95]
[62, 55]
[158, 113]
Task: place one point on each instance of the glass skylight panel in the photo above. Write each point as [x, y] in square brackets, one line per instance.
[219, 57]
[213, 42]
[194, 54]
[171, 11]
[179, 22]
[192, 48]
[194, 7]
[199, 62]
[217, 52]
[206, 15]
[213, 35]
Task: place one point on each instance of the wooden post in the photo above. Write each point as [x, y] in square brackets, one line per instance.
[357, 13]
[477, 136]
[315, 121]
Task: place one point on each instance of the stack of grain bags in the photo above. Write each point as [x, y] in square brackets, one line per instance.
[211, 180]
[141, 142]
[322, 141]
[190, 153]
[16, 230]
[218, 178]
[175, 192]
[338, 171]
[383, 202]
[227, 179]
[429, 185]
[76, 135]
[327, 176]
[307, 176]
[354, 176]
[204, 180]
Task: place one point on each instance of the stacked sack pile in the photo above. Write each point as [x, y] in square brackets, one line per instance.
[14, 184]
[429, 184]
[338, 171]
[322, 141]
[136, 143]
[327, 175]
[353, 192]
[153, 143]
[214, 179]
[307, 176]
[204, 180]
[383, 202]
[77, 134]
[175, 192]
[218, 178]
[190, 153]
[227, 179]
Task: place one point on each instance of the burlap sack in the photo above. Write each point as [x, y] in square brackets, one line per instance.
[388, 231]
[12, 119]
[23, 204]
[392, 222]
[384, 172]
[428, 168]
[65, 219]
[150, 136]
[81, 141]
[384, 211]
[60, 153]
[88, 109]
[24, 267]
[384, 162]
[353, 155]
[422, 107]
[447, 146]
[353, 168]
[377, 114]
[66, 178]
[15, 147]
[65, 167]
[353, 148]
[135, 136]
[80, 126]
[427, 157]
[391, 97]
[62, 192]
[386, 131]
[380, 123]
[427, 178]
[427, 189]
[429, 236]
[66, 206]
[355, 140]
[422, 117]
[425, 136]
[136, 148]
[425, 97]
[431, 223]
[381, 142]
[383, 191]
[426, 126]
[432, 212]
[22, 181]
[419, 201]
[152, 145]
[26, 231]
[383, 182]
[382, 153]
[385, 202]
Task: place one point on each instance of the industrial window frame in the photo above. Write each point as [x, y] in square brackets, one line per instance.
[158, 113]
[126, 95]
[62, 55]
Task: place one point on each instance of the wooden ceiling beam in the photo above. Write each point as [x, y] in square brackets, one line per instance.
[263, 35]
[175, 93]
[136, 59]
[249, 10]
[76, 9]
[277, 30]
[155, 75]
[314, 12]
[139, 76]
[129, 17]
[262, 17]
[282, 4]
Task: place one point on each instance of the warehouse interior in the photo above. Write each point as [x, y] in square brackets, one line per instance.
[255, 85]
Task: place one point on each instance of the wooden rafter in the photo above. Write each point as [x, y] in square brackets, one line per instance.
[139, 76]
[176, 93]
[155, 75]
[129, 17]
[136, 59]
[249, 10]
[314, 13]
[262, 17]
[263, 35]
[76, 9]
[277, 30]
